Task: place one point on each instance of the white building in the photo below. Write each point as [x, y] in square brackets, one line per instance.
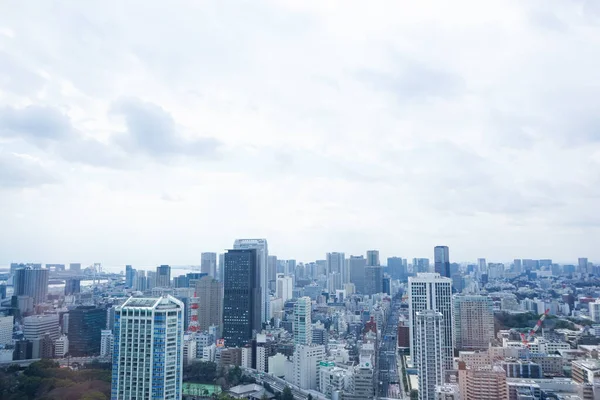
[6, 329]
[302, 321]
[429, 358]
[209, 353]
[285, 287]
[306, 361]
[332, 379]
[36, 326]
[595, 310]
[190, 346]
[430, 291]
[147, 359]
[106, 343]
[262, 253]
[247, 358]
[277, 365]
[61, 346]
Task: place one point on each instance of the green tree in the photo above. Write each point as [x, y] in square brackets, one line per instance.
[94, 395]
[309, 397]
[287, 394]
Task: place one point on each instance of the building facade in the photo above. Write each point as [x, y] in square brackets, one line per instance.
[302, 321]
[163, 276]
[208, 264]
[473, 322]
[262, 254]
[210, 303]
[31, 282]
[429, 358]
[442, 260]
[85, 326]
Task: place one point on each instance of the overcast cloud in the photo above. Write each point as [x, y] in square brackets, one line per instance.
[147, 132]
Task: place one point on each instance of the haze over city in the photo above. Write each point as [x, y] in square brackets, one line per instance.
[148, 132]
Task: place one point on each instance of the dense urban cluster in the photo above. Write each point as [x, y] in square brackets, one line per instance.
[245, 324]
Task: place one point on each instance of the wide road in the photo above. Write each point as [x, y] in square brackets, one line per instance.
[388, 367]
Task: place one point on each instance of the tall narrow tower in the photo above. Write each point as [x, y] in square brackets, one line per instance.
[428, 352]
[262, 254]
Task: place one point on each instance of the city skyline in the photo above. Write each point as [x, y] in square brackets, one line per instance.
[480, 127]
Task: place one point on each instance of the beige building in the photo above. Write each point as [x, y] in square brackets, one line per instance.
[210, 303]
[482, 383]
[473, 322]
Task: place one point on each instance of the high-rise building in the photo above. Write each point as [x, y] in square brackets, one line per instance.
[2, 292]
[361, 380]
[303, 321]
[430, 291]
[594, 310]
[75, 268]
[306, 363]
[221, 267]
[373, 258]
[208, 264]
[106, 343]
[35, 326]
[85, 326]
[420, 265]
[356, 266]
[210, 303]
[242, 301]
[72, 286]
[272, 268]
[442, 260]
[373, 279]
[473, 322]
[482, 265]
[262, 254]
[147, 350]
[285, 287]
[517, 265]
[6, 329]
[397, 268]
[129, 276]
[163, 276]
[32, 282]
[336, 263]
[429, 358]
[582, 265]
[61, 346]
[487, 383]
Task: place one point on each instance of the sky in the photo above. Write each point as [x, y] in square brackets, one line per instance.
[147, 132]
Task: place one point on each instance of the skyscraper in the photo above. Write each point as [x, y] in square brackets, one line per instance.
[208, 264]
[129, 276]
[262, 254]
[242, 301]
[210, 303]
[430, 291]
[303, 321]
[373, 257]
[442, 260]
[428, 352]
[72, 286]
[85, 326]
[75, 268]
[397, 268]
[272, 268]
[147, 352]
[373, 279]
[582, 264]
[32, 282]
[163, 276]
[357, 266]
[473, 322]
[336, 263]
[285, 287]
[420, 265]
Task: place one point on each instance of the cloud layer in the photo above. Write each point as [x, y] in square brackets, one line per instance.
[149, 135]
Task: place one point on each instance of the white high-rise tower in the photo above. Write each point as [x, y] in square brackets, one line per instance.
[428, 352]
[147, 349]
[302, 321]
[262, 254]
[430, 291]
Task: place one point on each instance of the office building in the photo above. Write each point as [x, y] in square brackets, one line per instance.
[473, 322]
[75, 268]
[210, 303]
[31, 282]
[106, 343]
[486, 383]
[129, 276]
[61, 346]
[6, 329]
[242, 297]
[420, 265]
[397, 268]
[582, 265]
[285, 287]
[430, 291]
[429, 358]
[208, 264]
[442, 260]
[72, 286]
[373, 280]
[163, 276]
[262, 254]
[302, 321]
[85, 326]
[356, 267]
[2, 291]
[361, 385]
[594, 310]
[373, 258]
[336, 263]
[35, 326]
[272, 268]
[306, 363]
[143, 327]
[522, 369]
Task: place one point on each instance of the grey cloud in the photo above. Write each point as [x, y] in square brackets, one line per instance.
[35, 123]
[17, 78]
[153, 130]
[21, 172]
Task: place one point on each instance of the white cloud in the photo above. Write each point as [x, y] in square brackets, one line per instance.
[322, 126]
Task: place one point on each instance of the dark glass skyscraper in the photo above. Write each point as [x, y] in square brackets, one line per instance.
[442, 260]
[396, 268]
[85, 324]
[163, 276]
[241, 302]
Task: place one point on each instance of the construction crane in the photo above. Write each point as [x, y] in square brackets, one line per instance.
[533, 331]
